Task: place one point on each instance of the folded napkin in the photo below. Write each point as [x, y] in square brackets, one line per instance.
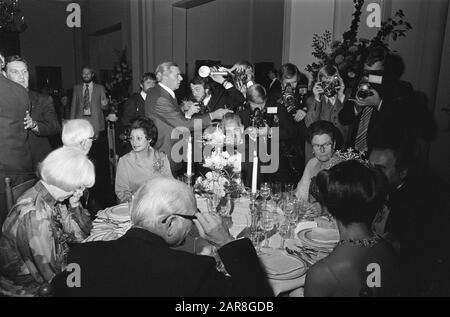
[278, 263]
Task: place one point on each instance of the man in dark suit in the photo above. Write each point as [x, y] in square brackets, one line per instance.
[88, 101]
[142, 262]
[41, 119]
[162, 107]
[385, 104]
[15, 154]
[209, 96]
[274, 88]
[135, 105]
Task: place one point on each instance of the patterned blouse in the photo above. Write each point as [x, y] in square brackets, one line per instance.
[133, 170]
[35, 241]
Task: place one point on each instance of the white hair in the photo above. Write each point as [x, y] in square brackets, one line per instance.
[163, 68]
[160, 196]
[68, 169]
[75, 131]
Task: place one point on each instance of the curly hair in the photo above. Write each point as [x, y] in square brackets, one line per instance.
[148, 126]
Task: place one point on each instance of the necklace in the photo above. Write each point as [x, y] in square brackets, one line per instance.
[366, 242]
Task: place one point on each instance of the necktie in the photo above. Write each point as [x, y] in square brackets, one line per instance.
[361, 136]
[86, 102]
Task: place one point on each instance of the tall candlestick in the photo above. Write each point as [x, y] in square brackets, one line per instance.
[189, 157]
[254, 172]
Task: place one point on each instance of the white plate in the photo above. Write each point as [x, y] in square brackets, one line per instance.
[120, 212]
[281, 266]
[305, 238]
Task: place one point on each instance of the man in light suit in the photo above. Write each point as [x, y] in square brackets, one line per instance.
[88, 101]
[15, 153]
[162, 107]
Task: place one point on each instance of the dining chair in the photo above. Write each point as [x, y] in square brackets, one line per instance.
[13, 193]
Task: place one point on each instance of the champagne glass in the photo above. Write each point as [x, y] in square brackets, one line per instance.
[276, 192]
[284, 230]
[265, 192]
[267, 223]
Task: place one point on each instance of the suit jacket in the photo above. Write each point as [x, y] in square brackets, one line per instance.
[165, 112]
[43, 112]
[141, 264]
[133, 107]
[221, 97]
[96, 118]
[15, 154]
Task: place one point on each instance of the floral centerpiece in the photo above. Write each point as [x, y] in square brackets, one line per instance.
[349, 53]
[222, 182]
[120, 78]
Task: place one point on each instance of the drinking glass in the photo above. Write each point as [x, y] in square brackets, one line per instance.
[284, 230]
[276, 192]
[267, 223]
[265, 192]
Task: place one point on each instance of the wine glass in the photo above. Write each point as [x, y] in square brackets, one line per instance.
[267, 223]
[265, 192]
[289, 209]
[276, 192]
[284, 230]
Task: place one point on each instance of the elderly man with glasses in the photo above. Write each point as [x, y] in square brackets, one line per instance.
[143, 263]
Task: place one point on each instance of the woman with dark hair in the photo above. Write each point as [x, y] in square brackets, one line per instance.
[362, 263]
[142, 162]
[322, 136]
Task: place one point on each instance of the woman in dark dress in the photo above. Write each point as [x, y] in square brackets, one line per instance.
[362, 263]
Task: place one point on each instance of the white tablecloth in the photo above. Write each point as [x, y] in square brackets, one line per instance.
[114, 222]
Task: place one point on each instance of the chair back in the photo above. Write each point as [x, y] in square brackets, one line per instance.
[13, 193]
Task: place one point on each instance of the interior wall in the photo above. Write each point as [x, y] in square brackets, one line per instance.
[48, 41]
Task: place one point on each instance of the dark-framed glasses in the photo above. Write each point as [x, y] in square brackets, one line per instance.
[188, 217]
[93, 138]
[322, 147]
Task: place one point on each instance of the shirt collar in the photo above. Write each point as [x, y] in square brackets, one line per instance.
[143, 94]
[206, 100]
[46, 196]
[170, 91]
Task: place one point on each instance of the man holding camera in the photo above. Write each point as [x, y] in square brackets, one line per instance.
[376, 102]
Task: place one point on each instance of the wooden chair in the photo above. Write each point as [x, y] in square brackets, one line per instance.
[13, 193]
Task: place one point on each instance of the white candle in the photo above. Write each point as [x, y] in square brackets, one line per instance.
[255, 172]
[189, 157]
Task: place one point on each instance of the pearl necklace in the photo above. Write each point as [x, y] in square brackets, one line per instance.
[366, 242]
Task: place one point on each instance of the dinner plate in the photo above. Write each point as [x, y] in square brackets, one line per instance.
[316, 238]
[119, 212]
[281, 266]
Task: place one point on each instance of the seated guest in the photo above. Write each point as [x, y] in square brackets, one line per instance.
[328, 99]
[41, 120]
[142, 162]
[416, 217]
[142, 262]
[135, 105]
[322, 136]
[353, 193]
[39, 228]
[79, 134]
[209, 96]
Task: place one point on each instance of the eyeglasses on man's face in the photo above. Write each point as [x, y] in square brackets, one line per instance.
[188, 217]
[322, 147]
[92, 138]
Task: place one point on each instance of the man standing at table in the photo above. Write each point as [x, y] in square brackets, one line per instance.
[142, 262]
[162, 107]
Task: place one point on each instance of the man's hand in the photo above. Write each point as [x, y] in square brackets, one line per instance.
[299, 115]
[373, 100]
[28, 122]
[192, 110]
[317, 91]
[211, 228]
[219, 113]
[74, 200]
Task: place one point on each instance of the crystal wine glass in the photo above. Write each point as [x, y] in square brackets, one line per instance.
[284, 230]
[276, 192]
[265, 192]
[267, 223]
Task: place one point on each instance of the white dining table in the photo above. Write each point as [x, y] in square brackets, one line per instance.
[111, 223]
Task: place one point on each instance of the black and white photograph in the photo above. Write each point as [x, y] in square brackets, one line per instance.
[224, 154]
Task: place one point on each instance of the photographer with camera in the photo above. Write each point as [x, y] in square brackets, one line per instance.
[211, 93]
[377, 100]
[328, 100]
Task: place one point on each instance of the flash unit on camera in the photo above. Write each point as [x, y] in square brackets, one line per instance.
[375, 79]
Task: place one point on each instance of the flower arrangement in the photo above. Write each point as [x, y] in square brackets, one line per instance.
[349, 54]
[225, 168]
